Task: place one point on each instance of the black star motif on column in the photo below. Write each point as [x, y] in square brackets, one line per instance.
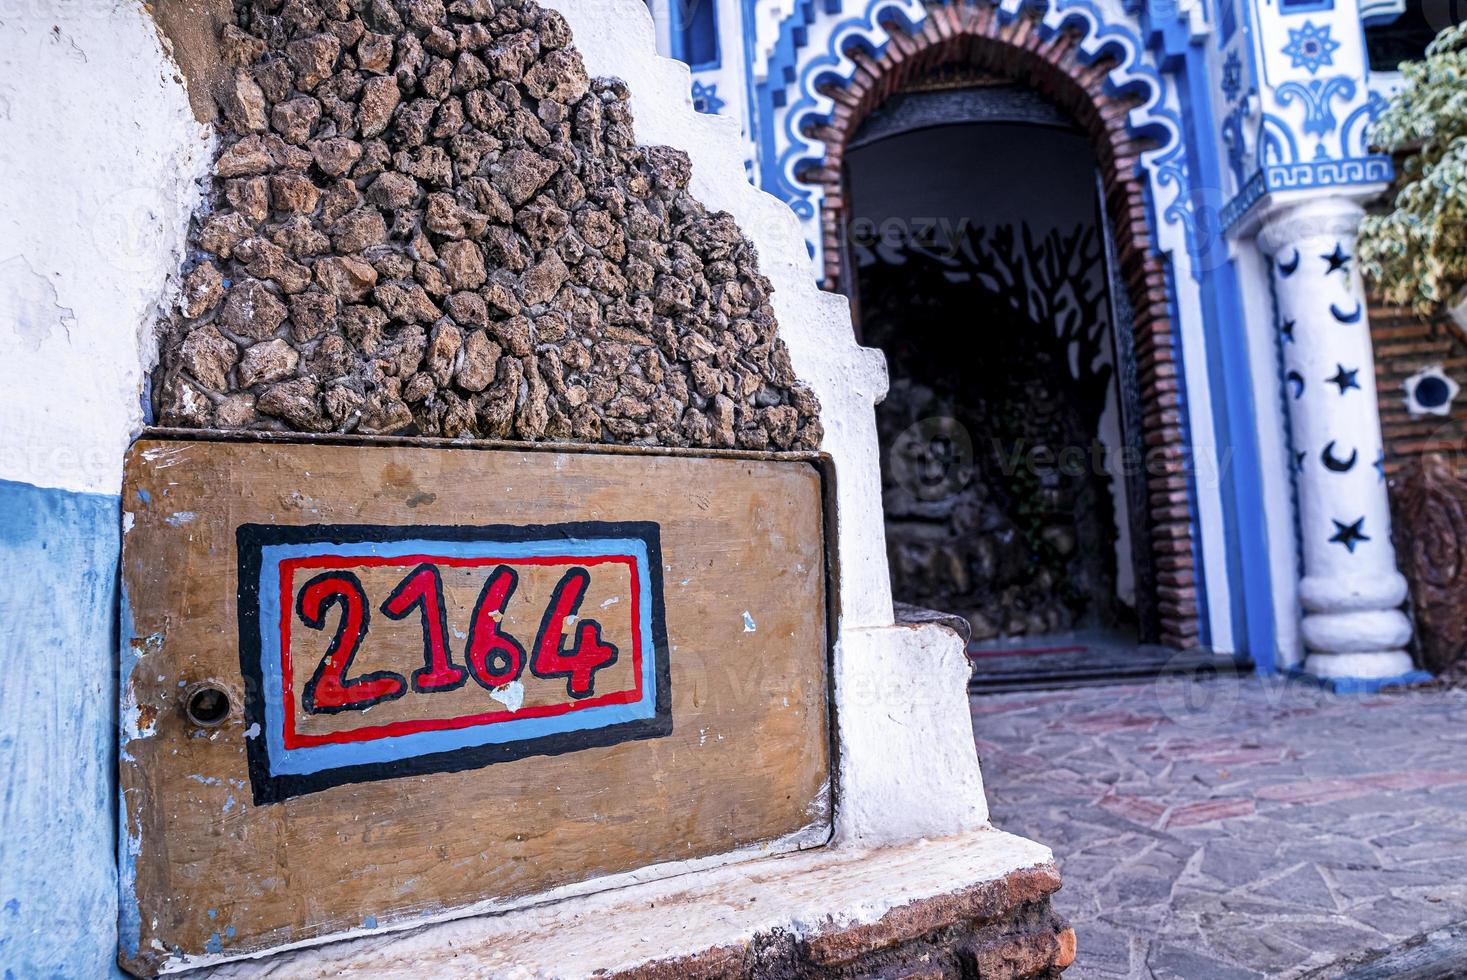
[1299, 461]
[1287, 329]
[1380, 466]
[1349, 535]
[1338, 261]
[1345, 379]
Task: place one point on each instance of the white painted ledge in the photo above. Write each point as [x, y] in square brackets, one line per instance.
[803, 894]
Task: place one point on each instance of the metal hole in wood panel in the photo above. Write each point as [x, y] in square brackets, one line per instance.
[207, 706]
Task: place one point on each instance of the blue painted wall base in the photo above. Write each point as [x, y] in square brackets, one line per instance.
[58, 601]
[1361, 685]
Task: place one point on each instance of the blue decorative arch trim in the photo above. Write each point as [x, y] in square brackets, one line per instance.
[795, 81]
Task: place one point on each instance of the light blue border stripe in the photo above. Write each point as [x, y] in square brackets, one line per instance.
[301, 761]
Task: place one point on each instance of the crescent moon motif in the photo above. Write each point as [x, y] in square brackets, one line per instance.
[1333, 463]
[1297, 380]
[1351, 317]
[1286, 269]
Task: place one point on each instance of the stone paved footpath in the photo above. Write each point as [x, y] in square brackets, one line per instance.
[1235, 828]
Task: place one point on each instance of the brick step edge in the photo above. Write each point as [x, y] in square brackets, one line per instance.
[1003, 928]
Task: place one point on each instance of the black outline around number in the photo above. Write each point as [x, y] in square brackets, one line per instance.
[269, 787]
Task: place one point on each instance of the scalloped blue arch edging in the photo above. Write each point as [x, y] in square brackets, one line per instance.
[783, 154]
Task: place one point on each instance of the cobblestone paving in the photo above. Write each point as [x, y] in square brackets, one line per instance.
[1235, 828]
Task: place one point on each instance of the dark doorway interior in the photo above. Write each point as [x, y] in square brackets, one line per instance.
[980, 266]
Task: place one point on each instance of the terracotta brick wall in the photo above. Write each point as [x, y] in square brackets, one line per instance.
[1404, 344]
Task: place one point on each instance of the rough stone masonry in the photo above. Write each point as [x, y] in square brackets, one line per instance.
[427, 219]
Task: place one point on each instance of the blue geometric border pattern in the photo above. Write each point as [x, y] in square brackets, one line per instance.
[1297, 176]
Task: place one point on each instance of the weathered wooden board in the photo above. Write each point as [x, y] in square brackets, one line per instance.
[365, 684]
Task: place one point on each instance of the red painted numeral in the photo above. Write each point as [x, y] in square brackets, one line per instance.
[495, 658]
[423, 588]
[589, 653]
[329, 690]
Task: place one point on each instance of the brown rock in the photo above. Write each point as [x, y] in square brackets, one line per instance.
[544, 279]
[393, 191]
[202, 290]
[299, 237]
[251, 310]
[560, 76]
[270, 361]
[480, 358]
[208, 356]
[183, 403]
[520, 174]
[384, 414]
[501, 292]
[374, 53]
[467, 309]
[406, 302]
[222, 231]
[295, 118]
[347, 277]
[553, 29]
[243, 102]
[250, 197]
[364, 326]
[722, 420]
[332, 358]
[510, 56]
[335, 155]
[311, 315]
[343, 406]
[246, 158]
[275, 77]
[293, 192]
[235, 412]
[443, 348]
[358, 230]
[313, 58]
[265, 260]
[418, 388]
[295, 403]
[513, 334]
[544, 224]
[671, 167]
[379, 97]
[463, 264]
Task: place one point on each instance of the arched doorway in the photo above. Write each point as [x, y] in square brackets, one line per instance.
[943, 112]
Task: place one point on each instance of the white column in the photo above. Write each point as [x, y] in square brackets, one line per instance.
[1351, 591]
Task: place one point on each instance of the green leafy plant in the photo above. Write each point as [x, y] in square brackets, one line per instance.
[1417, 253]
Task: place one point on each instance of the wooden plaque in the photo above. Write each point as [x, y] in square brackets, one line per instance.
[369, 683]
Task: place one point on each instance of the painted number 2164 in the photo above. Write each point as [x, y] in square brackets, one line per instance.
[491, 656]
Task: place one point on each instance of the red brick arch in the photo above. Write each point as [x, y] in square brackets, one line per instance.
[974, 36]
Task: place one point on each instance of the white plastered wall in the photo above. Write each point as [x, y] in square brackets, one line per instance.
[101, 158]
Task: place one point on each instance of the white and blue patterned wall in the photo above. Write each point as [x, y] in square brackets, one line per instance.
[1294, 97]
[1243, 99]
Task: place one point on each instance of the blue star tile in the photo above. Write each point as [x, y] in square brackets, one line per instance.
[1311, 47]
[705, 98]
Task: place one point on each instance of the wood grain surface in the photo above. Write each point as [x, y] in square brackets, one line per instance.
[207, 874]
